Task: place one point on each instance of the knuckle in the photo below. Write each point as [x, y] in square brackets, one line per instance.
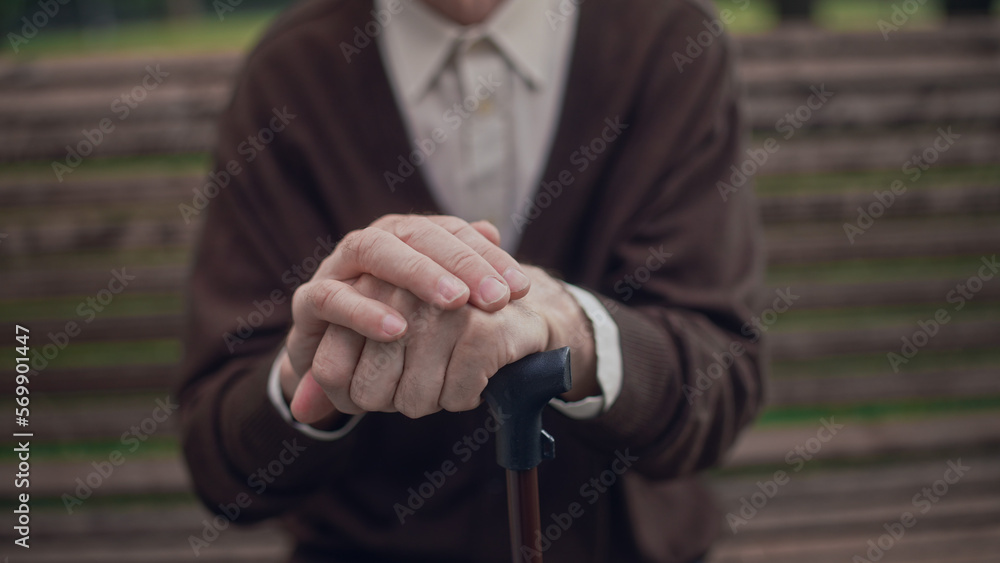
[451, 223]
[486, 225]
[411, 396]
[450, 404]
[356, 314]
[465, 394]
[325, 296]
[406, 407]
[327, 372]
[361, 396]
[464, 260]
[417, 232]
[413, 266]
[387, 220]
[349, 244]
[417, 229]
[367, 246]
[300, 299]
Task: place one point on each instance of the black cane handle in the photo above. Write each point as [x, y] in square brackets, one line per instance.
[516, 396]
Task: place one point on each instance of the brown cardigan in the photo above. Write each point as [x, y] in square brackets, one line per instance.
[652, 191]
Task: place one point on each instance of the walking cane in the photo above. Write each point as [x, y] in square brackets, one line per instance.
[519, 392]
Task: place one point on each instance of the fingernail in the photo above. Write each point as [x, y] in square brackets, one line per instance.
[451, 288]
[516, 279]
[492, 290]
[393, 325]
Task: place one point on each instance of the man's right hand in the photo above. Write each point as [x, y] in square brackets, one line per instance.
[443, 261]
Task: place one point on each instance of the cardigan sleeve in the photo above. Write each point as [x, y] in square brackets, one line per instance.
[258, 243]
[681, 270]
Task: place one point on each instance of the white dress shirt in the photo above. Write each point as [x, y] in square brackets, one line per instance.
[481, 104]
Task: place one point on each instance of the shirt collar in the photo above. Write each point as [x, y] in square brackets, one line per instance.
[418, 42]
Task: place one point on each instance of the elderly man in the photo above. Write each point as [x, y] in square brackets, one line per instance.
[420, 193]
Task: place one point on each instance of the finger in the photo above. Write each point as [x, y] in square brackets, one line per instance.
[464, 382]
[484, 239]
[327, 301]
[376, 376]
[310, 403]
[449, 249]
[487, 229]
[419, 390]
[301, 348]
[382, 254]
[334, 364]
[286, 375]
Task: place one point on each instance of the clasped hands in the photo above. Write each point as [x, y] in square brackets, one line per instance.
[414, 314]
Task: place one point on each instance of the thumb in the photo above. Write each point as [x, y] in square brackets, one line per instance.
[310, 403]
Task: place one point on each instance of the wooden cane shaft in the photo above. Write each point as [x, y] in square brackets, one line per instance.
[523, 513]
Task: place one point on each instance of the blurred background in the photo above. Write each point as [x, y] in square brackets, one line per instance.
[880, 195]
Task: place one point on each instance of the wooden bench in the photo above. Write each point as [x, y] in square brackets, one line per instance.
[60, 241]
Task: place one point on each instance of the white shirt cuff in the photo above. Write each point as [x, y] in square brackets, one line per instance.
[607, 346]
[278, 400]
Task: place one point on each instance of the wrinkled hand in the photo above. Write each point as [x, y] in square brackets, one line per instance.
[446, 358]
[441, 260]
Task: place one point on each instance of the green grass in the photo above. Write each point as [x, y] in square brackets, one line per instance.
[99, 354]
[92, 450]
[239, 30]
[96, 259]
[237, 33]
[112, 167]
[848, 15]
[25, 310]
